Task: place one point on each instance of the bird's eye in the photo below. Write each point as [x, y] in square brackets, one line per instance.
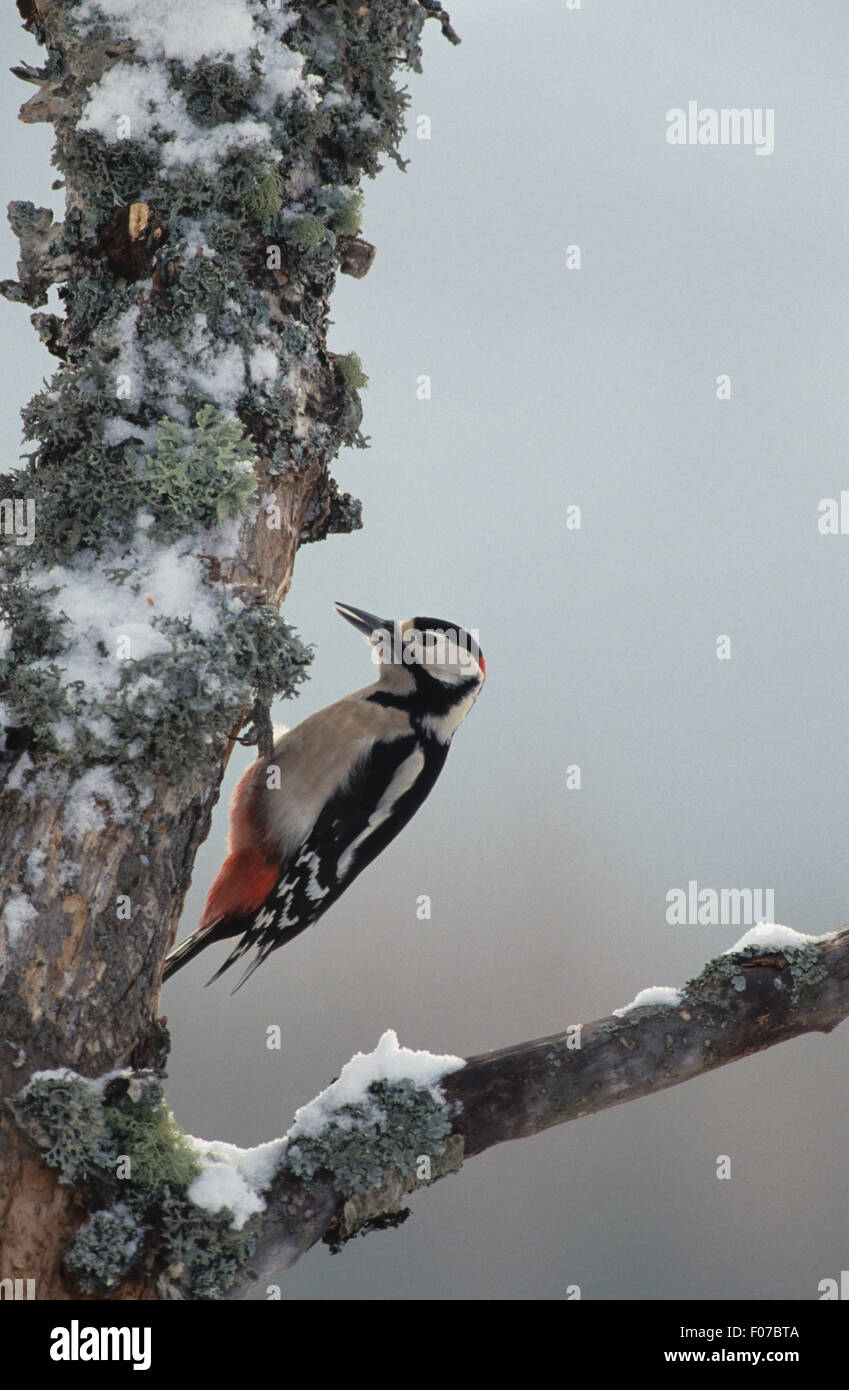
[413, 645]
[384, 646]
[430, 647]
[444, 650]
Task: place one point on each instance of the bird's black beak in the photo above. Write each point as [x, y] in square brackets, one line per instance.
[366, 623]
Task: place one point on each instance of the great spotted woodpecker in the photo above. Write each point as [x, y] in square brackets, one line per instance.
[337, 788]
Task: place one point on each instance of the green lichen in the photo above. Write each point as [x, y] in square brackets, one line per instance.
[804, 963]
[204, 474]
[363, 1142]
[807, 969]
[306, 233]
[216, 92]
[350, 369]
[265, 200]
[86, 495]
[129, 722]
[338, 207]
[348, 220]
[148, 1135]
[346, 514]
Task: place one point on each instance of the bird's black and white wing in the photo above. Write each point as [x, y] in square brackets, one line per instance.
[385, 788]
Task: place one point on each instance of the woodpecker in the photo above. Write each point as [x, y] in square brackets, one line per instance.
[305, 821]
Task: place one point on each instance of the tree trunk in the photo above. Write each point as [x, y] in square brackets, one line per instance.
[198, 254]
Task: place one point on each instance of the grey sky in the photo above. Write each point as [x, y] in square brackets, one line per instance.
[699, 518]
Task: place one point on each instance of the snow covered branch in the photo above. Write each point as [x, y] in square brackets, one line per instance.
[774, 985]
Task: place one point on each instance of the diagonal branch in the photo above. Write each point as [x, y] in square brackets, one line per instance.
[740, 1003]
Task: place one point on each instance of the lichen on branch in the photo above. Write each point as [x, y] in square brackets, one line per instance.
[188, 1212]
[116, 1140]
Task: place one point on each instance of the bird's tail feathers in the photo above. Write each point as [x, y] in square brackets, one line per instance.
[186, 951]
[236, 954]
[241, 886]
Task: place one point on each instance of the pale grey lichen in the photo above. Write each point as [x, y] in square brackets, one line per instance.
[104, 1249]
[64, 1115]
[204, 1247]
[804, 963]
[365, 1141]
[205, 470]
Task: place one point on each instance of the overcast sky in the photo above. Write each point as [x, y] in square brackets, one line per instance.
[596, 387]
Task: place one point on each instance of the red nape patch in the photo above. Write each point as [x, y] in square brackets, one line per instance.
[482, 665]
[244, 881]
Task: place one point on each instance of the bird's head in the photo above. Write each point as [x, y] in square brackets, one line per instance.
[428, 653]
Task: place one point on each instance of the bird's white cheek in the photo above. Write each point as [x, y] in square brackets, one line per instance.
[444, 726]
[454, 672]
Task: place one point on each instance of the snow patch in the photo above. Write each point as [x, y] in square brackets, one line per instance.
[192, 233]
[388, 1062]
[132, 100]
[110, 623]
[664, 995]
[82, 813]
[20, 773]
[34, 872]
[18, 914]
[773, 936]
[264, 365]
[117, 430]
[206, 361]
[233, 1178]
[162, 29]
